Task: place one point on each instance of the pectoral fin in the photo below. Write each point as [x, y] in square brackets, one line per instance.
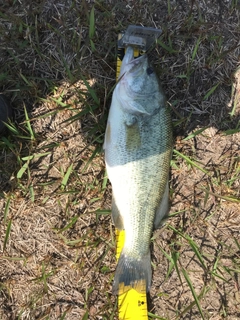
[163, 208]
[107, 138]
[116, 217]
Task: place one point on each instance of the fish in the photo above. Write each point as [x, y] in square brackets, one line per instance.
[137, 148]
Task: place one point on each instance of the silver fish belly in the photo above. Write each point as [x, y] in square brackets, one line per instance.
[138, 146]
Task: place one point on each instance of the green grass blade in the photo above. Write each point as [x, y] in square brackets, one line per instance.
[176, 213]
[22, 170]
[169, 7]
[164, 46]
[194, 134]
[232, 113]
[231, 131]
[7, 143]
[88, 109]
[154, 316]
[30, 130]
[7, 234]
[210, 92]
[173, 258]
[227, 198]
[188, 308]
[95, 152]
[60, 103]
[235, 104]
[218, 276]
[92, 45]
[171, 265]
[196, 251]
[85, 317]
[91, 91]
[14, 258]
[206, 196]
[25, 80]
[196, 48]
[105, 180]
[66, 177]
[31, 191]
[63, 315]
[193, 245]
[69, 225]
[99, 212]
[11, 127]
[35, 156]
[237, 243]
[6, 210]
[191, 162]
[67, 69]
[193, 292]
[91, 23]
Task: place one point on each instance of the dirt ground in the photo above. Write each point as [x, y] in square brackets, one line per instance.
[57, 241]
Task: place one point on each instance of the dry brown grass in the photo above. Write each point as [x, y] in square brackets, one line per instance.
[58, 260]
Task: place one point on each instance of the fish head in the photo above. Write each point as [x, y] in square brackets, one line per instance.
[137, 76]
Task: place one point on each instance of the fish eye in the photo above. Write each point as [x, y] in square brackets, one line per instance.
[149, 70]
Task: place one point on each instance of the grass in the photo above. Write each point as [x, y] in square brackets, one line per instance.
[57, 240]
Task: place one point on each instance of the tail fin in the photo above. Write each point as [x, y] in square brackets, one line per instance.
[132, 273]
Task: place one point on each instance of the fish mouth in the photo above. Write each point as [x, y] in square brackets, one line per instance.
[130, 59]
[136, 61]
[137, 66]
[130, 64]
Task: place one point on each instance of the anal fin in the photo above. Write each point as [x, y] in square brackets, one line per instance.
[116, 216]
[163, 208]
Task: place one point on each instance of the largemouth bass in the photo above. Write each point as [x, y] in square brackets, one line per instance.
[138, 146]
